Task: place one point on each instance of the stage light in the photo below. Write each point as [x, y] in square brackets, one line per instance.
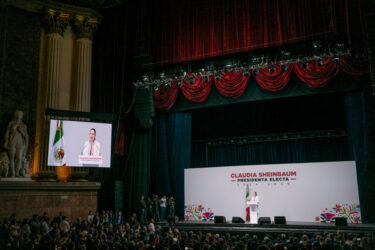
[304, 65]
[320, 62]
[336, 59]
[317, 45]
[156, 88]
[256, 72]
[285, 53]
[246, 73]
[272, 70]
[145, 78]
[206, 79]
[180, 84]
[339, 46]
[191, 81]
[284, 68]
[217, 77]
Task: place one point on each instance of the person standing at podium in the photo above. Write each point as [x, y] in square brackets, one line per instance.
[255, 198]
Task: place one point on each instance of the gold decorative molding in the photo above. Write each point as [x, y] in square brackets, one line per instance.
[57, 16]
[55, 22]
[84, 27]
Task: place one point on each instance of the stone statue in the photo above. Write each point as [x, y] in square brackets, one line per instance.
[16, 142]
[4, 163]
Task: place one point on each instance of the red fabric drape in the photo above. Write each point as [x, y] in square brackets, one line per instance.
[185, 30]
[357, 68]
[232, 84]
[165, 97]
[274, 81]
[197, 91]
[316, 76]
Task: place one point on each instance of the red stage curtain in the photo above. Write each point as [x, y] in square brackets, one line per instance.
[165, 97]
[316, 76]
[185, 30]
[274, 81]
[357, 68]
[197, 91]
[232, 84]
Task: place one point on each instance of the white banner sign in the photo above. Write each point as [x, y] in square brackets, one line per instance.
[305, 192]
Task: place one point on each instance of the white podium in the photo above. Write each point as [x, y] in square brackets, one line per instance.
[253, 212]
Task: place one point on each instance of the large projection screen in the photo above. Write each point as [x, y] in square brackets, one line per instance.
[74, 143]
[305, 192]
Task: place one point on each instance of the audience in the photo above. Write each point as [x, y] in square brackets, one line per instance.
[42, 233]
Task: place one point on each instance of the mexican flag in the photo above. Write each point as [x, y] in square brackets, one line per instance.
[58, 145]
[247, 199]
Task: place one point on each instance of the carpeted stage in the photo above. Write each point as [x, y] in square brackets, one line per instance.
[289, 228]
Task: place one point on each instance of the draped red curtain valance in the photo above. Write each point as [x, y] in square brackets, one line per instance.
[233, 84]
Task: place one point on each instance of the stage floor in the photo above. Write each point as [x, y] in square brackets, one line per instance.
[290, 227]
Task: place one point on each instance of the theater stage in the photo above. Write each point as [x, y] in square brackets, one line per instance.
[290, 227]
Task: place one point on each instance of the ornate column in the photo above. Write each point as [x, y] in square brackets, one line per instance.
[55, 24]
[84, 28]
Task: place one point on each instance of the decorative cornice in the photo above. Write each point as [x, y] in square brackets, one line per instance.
[39, 6]
[57, 16]
[84, 27]
[55, 22]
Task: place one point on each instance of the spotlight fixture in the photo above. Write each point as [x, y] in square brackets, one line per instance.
[191, 81]
[145, 78]
[156, 88]
[138, 84]
[255, 60]
[272, 70]
[284, 67]
[320, 62]
[317, 45]
[217, 77]
[285, 53]
[304, 65]
[206, 79]
[246, 73]
[336, 60]
[339, 46]
[256, 72]
[180, 84]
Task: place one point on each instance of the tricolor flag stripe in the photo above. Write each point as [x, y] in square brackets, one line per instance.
[59, 132]
[58, 145]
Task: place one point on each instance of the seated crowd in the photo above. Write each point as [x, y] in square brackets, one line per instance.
[106, 231]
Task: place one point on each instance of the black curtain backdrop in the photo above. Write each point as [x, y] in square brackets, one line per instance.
[171, 147]
[289, 115]
[307, 150]
[360, 115]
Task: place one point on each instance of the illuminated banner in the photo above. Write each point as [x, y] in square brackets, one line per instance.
[305, 192]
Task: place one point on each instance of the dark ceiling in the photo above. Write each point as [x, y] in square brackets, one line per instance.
[93, 4]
